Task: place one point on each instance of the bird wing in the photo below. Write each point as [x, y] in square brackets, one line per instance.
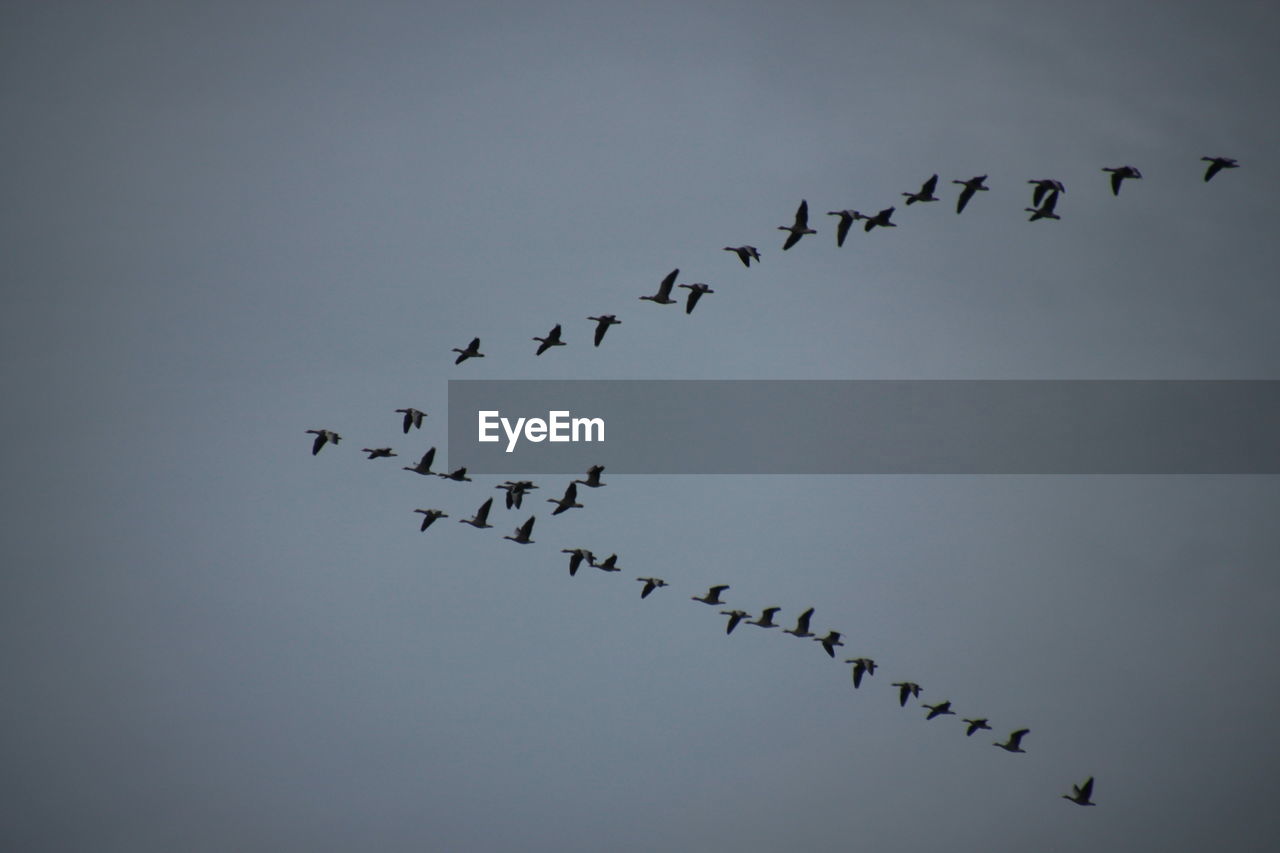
[929, 186]
[802, 215]
[792, 239]
[802, 623]
[482, 514]
[601, 327]
[1086, 790]
[1116, 178]
[1038, 192]
[1215, 166]
[965, 195]
[525, 529]
[1049, 204]
[843, 230]
[318, 443]
[664, 289]
[694, 295]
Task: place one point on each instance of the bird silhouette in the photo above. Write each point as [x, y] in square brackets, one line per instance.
[830, 642]
[650, 584]
[971, 186]
[712, 596]
[522, 532]
[1216, 165]
[429, 516]
[695, 293]
[1080, 794]
[925, 193]
[1045, 185]
[603, 322]
[861, 667]
[746, 254]
[458, 476]
[610, 564]
[881, 219]
[323, 436]
[472, 351]
[1118, 174]
[905, 689]
[846, 222]
[663, 296]
[802, 625]
[568, 501]
[551, 340]
[1045, 210]
[412, 418]
[593, 477]
[799, 228]
[576, 556]
[938, 710]
[766, 618]
[975, 725]
[378, 452]
[735, 616]
[481, 518]
[424, 464]
[1015, 738]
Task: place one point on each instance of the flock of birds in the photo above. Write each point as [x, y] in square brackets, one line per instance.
[1044, 202]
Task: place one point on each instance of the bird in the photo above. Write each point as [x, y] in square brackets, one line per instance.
[603, 322]
[1045, 210]
[481, 519]
[1015, 738]
[881, 219]
[861, 667]
[712, 596]
[568, 501]
[551, 340]
[846, 221]
[459, 476]
[593, 477]
[925, 193]
[971, 186]
[424, 464]
[830, 642]
[610, 564]
[412, 418]
[799, 228]
[746, 254]
[802, 625]
[695, 293]
[323, 436]
[515, 491]
[735, 616]
[429, 516]
[522, 532]
[1044, 185]
[663, 296]
[1080, 794]
[1216, 165]
[378, 452]
[938, 710]
[906, 688]
[1118, 174]
[975, 725]
[576, 556]
[766, 618]
[650, 584]
[472, 351]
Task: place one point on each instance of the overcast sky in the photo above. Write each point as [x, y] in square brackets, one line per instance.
[227, 224]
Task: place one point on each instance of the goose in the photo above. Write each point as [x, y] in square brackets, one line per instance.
[735, 616]
[695, 293]
[569, 501]
[412, 418]
[830, 642]
[975, 725]
[846, 222]
[861, 667]
[551, 340]
[522, 532]
[906, 688]
[603, 322]
[881, 219]
[593, 477]
[712, 596]
[1045, 185]
[799, 228]
[1118, 174]
[378, 452]
[1216, 165]
[938, 710]
[650, 584]
[459, 476]
[766, 618]
[576, 556]
[424, 464]
[429, 516]
[802, 625]
[1080, 794]
[971, 186]
[481, 519]
[610, 564]
[1015, 738]
[663, 296]
[746, 254]
[926, 192]
[515, 491]
[323, 436]
[1045, 210]
[472, 351]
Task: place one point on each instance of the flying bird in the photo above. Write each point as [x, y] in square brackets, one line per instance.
[846, 221]
[1080, 794]
[925, 193]
[663, 296]
[975, 725]
[938, 710]
[593, 477]
[861, 667]
[515, 491]
[568, 501]
[429, 516]
[481, 519]
[1216, 165]
[551, 340]
[766, 618]
[650, 584]
[971, 186]
[412, 418]
[576, 556]
[1045, 210]
[695, 293]
[712, 596]
[323, 436]
[746, 254]
[881, 219]
[1118, 174]
[459, 476]
[424, 464]
[906, 688]
[522, 532]
[1045, 185]
[802, 625]
[799, 228]
[472, 351]
[830, 642]
[378, 452]
[603, 322]
[1015, 738]
[610, 564]
[735, 616]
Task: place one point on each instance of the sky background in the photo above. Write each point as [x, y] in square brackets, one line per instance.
[230, 223]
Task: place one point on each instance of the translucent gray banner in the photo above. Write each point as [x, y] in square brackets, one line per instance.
[865, 426]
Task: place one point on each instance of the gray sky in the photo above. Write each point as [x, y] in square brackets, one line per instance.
[228, 224]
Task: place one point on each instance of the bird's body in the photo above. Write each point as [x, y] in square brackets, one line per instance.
[847, 218]
[522, 532]
[799, 227]
[650, 584]
[830, 642]
[735, 616]
[1045, 210]
[975, 725]
[746, 254]
[925, 193]
[603, 322]
[971, 186]
[861, 667]
[938, 710]
[712, 596]
[472, 351]
[551, 340]
[695, 293]
[481, 518]
[576, 556]
[593, 477]
[568, 501]
[1014, 741]
[1216, 165]
[378, 452]
[802, 625]
[424, 464]
[1118, 174]
[663, 296]
[412, 418]
[1080, 794]
[766, 618]
[881, 219]
[905, 689]
[429, 517]
[323, 436]
[1045, 185]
